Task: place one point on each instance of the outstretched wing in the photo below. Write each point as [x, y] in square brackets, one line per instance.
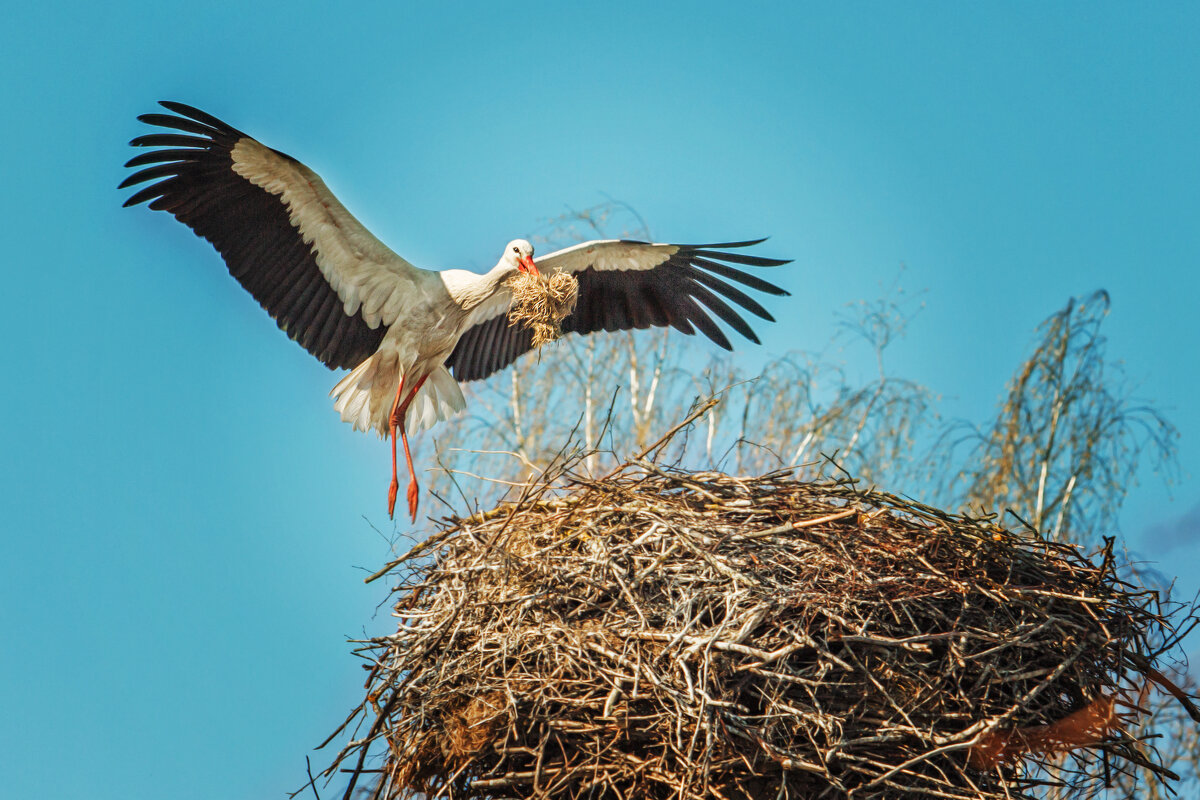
[624, 285]
[328, 283]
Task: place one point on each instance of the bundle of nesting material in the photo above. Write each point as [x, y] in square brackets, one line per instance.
[664, 634]
[542, 303]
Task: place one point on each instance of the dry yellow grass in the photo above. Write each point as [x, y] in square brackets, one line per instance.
[542, 303]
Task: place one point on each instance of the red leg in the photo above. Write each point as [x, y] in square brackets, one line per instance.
[413, 489]
[395, 487]
[399, 411]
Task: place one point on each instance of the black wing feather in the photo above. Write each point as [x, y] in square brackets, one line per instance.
[249, 227]
[489, 347]
[719, 307]
[732, 292]
[740, 258]
[734, 274]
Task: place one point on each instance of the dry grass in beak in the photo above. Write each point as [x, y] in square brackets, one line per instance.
[542, 303]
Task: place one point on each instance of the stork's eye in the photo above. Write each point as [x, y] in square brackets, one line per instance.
[517, 250]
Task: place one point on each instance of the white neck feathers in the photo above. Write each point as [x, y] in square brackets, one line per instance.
[467, 289]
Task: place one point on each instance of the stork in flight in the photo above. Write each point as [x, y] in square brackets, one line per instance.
[408, 335]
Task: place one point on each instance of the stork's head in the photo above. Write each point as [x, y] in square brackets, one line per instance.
[519, 254]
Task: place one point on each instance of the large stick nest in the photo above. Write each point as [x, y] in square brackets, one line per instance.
[660, 634]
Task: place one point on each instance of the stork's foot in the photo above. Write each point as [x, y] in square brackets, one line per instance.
[414, 495]
[392, 490]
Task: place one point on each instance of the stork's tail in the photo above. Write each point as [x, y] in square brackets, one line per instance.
[364, 397]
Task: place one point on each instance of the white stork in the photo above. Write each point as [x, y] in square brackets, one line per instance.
[408, 335]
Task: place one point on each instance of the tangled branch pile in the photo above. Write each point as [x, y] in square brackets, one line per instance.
[660, 634]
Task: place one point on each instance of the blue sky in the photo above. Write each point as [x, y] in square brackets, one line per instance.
[184, 515]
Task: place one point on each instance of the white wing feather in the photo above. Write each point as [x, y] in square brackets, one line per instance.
[365, 273]
[607, 254]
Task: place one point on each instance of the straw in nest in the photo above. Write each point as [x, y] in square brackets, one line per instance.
[542, 303]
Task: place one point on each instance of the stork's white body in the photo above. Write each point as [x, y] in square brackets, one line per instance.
[372, 280]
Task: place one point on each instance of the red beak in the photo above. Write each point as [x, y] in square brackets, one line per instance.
[527, 265]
